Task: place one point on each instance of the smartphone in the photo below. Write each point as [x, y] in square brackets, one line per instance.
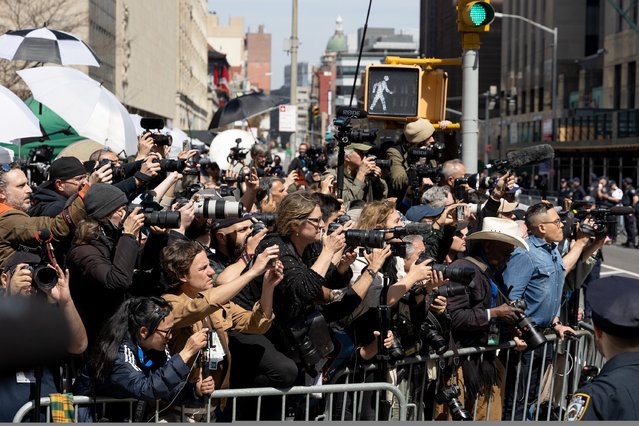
[460, 213]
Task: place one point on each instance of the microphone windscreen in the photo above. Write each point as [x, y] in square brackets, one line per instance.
[418, 228]
[531, 155]
[621, 210]
[345, 111]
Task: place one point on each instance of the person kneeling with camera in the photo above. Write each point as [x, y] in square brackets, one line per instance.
[131, 360]
[479, 313]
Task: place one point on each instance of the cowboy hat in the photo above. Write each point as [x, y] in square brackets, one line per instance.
[504, 230]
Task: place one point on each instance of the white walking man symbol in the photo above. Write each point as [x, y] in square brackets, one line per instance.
[379, 88]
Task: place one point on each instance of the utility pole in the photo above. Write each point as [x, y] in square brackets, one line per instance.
[473, 17]
[294, 45]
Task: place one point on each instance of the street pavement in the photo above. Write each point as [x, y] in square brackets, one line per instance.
[620, 260]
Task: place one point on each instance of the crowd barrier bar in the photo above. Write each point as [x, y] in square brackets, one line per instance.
[252, 392]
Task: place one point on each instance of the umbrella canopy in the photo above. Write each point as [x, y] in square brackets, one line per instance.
[45, 45]
[221, 146]
[16, 120]
[80, 149]
[242, 108]
[92, 110]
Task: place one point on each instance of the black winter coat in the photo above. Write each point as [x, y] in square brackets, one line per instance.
[47, 202]
[101, 274]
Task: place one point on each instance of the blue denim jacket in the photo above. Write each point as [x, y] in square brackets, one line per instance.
[537, 276]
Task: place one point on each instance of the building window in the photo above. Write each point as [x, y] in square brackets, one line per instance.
[632, 76]
[540, 100]
[616, 102]
[523, 101]
[620, 16]
[532, 100]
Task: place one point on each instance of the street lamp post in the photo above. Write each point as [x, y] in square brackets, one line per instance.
[554, 32]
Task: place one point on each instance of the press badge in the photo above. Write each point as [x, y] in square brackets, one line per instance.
[493, 333]
[215, 351]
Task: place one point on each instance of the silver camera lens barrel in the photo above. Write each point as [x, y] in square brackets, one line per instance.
[218, 209]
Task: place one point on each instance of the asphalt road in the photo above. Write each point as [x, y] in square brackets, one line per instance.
[620, 260]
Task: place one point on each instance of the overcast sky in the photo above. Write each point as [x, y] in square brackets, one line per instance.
[316, 23]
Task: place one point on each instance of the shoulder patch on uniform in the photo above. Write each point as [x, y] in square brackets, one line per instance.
[577, 407]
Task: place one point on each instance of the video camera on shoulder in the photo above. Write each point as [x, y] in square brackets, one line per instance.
[156, 124]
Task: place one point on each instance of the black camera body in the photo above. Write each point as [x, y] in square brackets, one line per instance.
[153, 214]
[168, 166]
[460, 274]
[529, 332]
[360, 237]
[237, 153]
[157, 124]
[43, 277]
[117, 172]
[417, 172]
[435, 152]
[449, 396]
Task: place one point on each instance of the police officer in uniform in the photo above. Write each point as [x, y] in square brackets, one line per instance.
[612, 394]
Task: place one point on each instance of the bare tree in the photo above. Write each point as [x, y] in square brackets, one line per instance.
[63, 15]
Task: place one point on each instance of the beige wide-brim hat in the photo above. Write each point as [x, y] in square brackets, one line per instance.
[418, 131]
[496, 229]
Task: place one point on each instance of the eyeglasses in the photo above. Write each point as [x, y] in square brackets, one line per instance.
[314, 220]
[555, 222]
[166, 333]
[6, 167]
[460, 234]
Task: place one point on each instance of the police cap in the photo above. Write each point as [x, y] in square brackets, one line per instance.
[614, 305]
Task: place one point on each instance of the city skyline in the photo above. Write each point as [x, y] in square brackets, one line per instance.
[312, 14]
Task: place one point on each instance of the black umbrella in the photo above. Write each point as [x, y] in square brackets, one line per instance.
[242, 108]
[45, 45]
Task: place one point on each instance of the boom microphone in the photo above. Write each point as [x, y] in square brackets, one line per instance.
[531, 155]
[344, 111]
[620, 210]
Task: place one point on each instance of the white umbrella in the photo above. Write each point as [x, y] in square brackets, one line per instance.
[89, 108]
[221, 146]
[16, 119]
[46, 45]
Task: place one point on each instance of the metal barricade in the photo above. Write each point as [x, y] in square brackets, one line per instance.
[554, 387]
[408, 391]
[310, 392]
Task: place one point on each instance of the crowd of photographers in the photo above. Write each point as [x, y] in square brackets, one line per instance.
[179, 277]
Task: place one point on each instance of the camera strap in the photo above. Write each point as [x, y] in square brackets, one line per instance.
[143, 177]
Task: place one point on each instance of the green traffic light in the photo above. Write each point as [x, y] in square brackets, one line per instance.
[478, 14]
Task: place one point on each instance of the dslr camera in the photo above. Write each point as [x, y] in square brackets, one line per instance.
[529, 332]
[449, 396]
[156, 124]
[117, 172]
[459, 274]
[153, 214]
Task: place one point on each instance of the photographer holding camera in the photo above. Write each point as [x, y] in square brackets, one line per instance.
[66, 176]
[362, 176]
[478, 313]
[537, 276]
[103, 256]
[17, 279]
[16, 227]
[131, 360]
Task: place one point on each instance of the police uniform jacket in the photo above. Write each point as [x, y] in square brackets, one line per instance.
[612, 395]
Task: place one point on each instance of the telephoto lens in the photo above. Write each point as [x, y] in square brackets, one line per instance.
[218, 209]
[365, 238]
[44, 277]
[449, 396]
[171, 165]
[162, 219]
[382, 164]
[461, 274]
[529, 332]
[449, 290]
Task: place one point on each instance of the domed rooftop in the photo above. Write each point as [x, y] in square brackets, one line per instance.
[337, 42]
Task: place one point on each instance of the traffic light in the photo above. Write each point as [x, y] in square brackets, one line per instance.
[402, 92]
[474, 16]
[315, 110]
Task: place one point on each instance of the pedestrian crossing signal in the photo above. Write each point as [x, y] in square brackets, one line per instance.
[392, 91]
[405, 92]
[474, 16]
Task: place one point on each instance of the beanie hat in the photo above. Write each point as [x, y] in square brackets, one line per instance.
[418, 131]
[102, 199]
[66, 168]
